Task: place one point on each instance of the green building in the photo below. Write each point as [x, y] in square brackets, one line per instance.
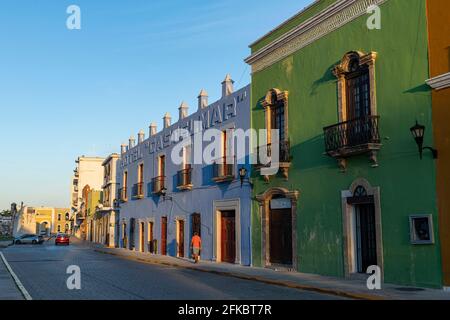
[352, 191]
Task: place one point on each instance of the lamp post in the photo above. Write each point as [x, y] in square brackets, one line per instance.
[242, 175]
[418, 132]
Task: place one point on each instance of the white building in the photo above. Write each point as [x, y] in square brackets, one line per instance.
[103, 228]
[89, 172]
[164, 203]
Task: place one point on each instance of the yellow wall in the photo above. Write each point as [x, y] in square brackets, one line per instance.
[439, 51]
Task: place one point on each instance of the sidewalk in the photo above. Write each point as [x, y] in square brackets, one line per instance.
[354, 289]
[8, 288]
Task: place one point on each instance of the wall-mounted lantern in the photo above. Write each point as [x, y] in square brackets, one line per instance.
[418, 132]
[242, 175]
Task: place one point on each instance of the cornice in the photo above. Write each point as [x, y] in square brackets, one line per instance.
[318, 26]
[439, 82]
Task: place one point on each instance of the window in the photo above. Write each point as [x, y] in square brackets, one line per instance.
[357, 91]
[141, 173]
[59, 217]
[162, 166]
[124, 195]
[59, 228]
[356, 85]
[421, 228]
[275, 105]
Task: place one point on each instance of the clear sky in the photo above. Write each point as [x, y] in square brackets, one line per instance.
[68, 93]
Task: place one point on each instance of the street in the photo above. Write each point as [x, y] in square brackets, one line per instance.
[42, 271]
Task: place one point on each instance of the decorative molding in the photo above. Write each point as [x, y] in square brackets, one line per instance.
[318, 26]
[439, 82]
[264, 210]
[348, 224]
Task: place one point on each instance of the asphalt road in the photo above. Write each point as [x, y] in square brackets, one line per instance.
[42, 271]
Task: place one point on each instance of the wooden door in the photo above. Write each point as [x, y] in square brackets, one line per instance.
[181, 238]
[228, 236]
[151, 249]
[280, 234]
[164, 236]
[366, 236]
[142, 237]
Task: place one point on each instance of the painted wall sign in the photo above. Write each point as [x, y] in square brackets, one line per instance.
[283, 203]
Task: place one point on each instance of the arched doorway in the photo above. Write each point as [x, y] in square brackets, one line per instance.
[44, 229]
[278, 209]
[363, 245]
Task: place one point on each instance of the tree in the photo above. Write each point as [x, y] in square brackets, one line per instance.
[5, 213]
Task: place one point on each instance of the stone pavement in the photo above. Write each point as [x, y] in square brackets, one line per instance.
[8, 288]
[355, 289]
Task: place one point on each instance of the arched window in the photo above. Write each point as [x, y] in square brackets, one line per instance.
[360, 191]
[275, 105]
[357, 90]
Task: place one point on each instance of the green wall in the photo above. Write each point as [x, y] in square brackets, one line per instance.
[407, 183]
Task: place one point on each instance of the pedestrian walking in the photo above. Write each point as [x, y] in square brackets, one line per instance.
[196, 247]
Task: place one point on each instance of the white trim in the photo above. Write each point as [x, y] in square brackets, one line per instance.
[314, 28]
[19, 284]
[439, 82]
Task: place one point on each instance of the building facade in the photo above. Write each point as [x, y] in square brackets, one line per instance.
[44, 221]
[88, 172]
[352, 191]
[164, 202]
[439, 53]
[106, 218]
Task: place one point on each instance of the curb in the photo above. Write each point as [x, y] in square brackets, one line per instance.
[288, 284]
[17, 281]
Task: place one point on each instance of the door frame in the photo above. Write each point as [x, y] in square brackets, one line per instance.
[349, 227]
[178, 236]
[264, 212]
[142, 236]
[218, 207]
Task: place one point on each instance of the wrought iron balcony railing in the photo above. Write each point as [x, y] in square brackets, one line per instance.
[224, 170]
[284, 153]
[352, 137]
[158, 184]
[138, 190]
[184, 179]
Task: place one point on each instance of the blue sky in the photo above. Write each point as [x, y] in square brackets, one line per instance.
[68, 93]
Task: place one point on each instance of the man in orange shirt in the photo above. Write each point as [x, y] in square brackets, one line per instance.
[196, 245]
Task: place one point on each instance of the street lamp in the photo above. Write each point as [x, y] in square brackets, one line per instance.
[242, 175]
[418, 132]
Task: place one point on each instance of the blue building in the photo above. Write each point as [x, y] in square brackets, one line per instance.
[169, 189]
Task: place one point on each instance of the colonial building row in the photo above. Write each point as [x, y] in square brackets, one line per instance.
[364, 173]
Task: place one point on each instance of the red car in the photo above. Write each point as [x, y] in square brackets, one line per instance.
[62, 239]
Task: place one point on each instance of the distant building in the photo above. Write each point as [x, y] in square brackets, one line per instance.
[106, 218]
[89, 172]
[5, 225]
[43, 220]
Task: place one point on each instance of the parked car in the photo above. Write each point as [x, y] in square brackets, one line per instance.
[29, 238]
[62, 238]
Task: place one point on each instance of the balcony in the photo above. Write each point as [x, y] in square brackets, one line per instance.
[158, 185]
[352, 138]
[184, 178]
[138, 191]
[123, 197]
[223, 171]
[284, 154]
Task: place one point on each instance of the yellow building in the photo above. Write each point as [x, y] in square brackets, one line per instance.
[43, 220]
